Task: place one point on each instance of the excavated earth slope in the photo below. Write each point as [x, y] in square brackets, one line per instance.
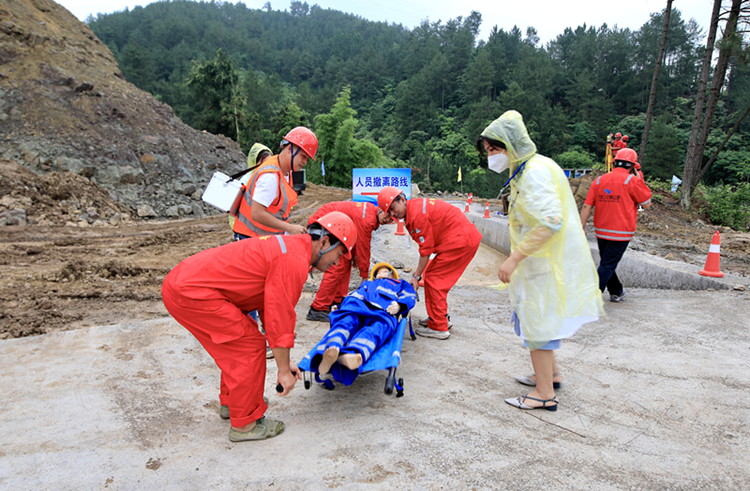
[65, 106]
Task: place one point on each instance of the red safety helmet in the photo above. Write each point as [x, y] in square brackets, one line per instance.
[304, 139]
[627, 155]
[386, 197]
[625, 138]
[340, 226]
[618, 135]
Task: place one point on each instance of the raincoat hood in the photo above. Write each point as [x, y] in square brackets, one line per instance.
[510, 130]
[255, 151]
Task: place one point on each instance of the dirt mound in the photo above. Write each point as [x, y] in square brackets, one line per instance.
[54, 199]
[64, 106]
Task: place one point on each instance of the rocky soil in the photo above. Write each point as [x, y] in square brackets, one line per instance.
[65, 106]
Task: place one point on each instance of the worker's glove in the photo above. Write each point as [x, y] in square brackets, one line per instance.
[394, 308]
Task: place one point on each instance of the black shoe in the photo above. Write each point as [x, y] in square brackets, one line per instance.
[317, 315]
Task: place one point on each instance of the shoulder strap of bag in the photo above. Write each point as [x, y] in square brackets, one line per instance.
[242, 173]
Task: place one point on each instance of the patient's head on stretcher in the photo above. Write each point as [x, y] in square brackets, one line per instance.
[382, 271]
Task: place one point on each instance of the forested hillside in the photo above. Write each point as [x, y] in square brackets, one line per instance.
[381, 94]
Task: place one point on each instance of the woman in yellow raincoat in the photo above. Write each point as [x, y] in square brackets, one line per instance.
[550, 274]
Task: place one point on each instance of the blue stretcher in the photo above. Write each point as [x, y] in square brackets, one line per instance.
[386, 357]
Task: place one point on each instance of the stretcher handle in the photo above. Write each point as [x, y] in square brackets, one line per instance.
[280, 388]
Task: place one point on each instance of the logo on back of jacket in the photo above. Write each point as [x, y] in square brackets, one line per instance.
[609, 198]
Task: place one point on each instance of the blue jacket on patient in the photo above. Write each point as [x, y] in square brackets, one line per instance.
[361, 325]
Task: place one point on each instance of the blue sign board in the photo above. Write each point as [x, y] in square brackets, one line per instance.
[367, 183]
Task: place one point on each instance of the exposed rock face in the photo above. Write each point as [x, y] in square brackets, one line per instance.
[64, 106]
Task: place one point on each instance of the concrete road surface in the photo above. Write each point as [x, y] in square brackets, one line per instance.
[655, 396]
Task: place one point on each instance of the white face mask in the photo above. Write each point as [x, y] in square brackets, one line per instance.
[498, 162]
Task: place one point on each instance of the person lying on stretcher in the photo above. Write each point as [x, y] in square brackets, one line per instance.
[366, 319]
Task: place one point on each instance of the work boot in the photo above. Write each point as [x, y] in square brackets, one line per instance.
[431, 333]
[264, 428]
[317, 315]
[423, 322]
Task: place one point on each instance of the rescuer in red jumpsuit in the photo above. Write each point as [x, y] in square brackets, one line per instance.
[211, 293]
[441, 229]
[335, 283]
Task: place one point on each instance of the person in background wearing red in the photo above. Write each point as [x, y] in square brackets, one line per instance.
[441, 229]
[335, 283]
[618, 144]
[637, 171]
[615, 197]
[211, 293]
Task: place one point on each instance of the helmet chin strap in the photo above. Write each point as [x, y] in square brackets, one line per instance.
[321, 234]
[320, 254]
[294, 154]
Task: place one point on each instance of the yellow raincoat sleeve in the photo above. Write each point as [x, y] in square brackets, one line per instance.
[543, 210]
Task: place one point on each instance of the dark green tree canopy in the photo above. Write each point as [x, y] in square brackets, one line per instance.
[381, 94]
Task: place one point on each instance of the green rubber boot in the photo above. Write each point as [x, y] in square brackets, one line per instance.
[264, 428]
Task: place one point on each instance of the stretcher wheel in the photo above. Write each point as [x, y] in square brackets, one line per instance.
[390, 382]
[400, 388]
[308, 384]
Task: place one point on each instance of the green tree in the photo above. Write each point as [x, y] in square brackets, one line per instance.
[337, 146]
[667, 151]
[137, 66]
[213, 85]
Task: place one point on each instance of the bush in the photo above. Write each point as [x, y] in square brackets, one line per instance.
[657, 184]
[729, 206]
[575, 159]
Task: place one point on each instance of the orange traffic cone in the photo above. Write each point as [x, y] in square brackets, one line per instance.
[400, 228]
[713, 261]
[487, 210]
[466, 209]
